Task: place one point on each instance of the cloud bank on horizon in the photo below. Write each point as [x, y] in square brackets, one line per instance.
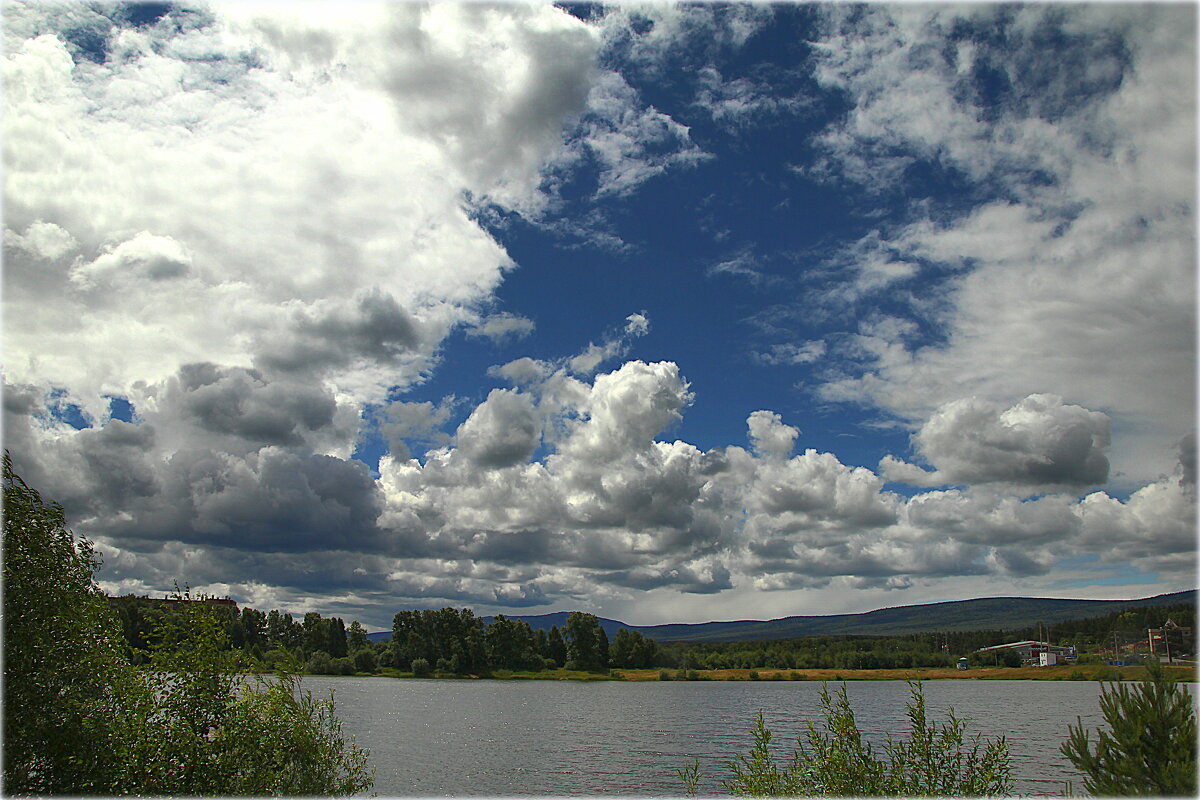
[670, 313]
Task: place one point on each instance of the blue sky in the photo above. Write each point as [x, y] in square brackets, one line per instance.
[668, 313]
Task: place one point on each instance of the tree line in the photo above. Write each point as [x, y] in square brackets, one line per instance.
[456, 641]
[453, 641]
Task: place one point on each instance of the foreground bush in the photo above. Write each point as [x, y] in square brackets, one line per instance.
[833, 760]
[80, 719]
[1150, 747]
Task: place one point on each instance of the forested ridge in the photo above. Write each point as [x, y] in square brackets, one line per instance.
[457, 642]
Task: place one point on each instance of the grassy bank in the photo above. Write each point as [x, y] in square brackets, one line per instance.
[500, 675]
[1064, 672]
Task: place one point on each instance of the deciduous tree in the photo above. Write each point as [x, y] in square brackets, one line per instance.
[587, 644]
[80, 719]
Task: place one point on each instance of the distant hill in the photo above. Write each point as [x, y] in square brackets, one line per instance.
[988, 613]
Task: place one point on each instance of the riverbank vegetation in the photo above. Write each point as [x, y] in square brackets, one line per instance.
[80, 718]
[1148, 748]
[1063, 672]
[832, 759]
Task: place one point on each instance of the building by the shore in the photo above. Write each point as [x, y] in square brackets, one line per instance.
[1033, 652]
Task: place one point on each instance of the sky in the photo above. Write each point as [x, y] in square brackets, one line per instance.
[667, 313]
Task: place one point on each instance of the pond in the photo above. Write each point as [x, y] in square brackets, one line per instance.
[566, 738]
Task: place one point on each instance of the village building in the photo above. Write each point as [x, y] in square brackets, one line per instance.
[1040, 654]
[217, 602]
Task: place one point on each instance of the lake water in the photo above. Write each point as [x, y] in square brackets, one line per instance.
[507, 738]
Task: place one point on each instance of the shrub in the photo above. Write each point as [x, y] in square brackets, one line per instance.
[1150, 747]
[386, 658]
[753, 675]
[280, 660]
[319, 663]
[365, 661]
[420, 668]
[80, 719]
[834, 760]
[664, 675]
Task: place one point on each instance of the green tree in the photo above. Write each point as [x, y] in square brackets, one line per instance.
[335, 637]
[319, 663]
[202, 728]
[556, 648]
[643, 651]
[284, 631]
[356, 636]
[61, 654]
[510, 644]
[1150, 747]
[619, 654]
[254, 625]
[834, 761]
[314, 633]
[80, 719]
[587, 644]
[365, 661]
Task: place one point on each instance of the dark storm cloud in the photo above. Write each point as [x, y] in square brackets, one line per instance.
[288, 502]
[707, 579]
[1187, 460]
[373, 328]
[269, 501]
[92, 472]
[517, 547]
[241, 403]
[1016, 561]
[116, 457]
[22, 400]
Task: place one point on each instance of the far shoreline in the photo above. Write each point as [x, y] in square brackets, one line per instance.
[1186, 673]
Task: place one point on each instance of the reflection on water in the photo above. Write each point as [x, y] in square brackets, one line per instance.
[507, 738]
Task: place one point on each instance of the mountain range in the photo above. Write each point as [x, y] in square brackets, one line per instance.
[988, 613]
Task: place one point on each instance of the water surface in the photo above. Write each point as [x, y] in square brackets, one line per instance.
[509, 738]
